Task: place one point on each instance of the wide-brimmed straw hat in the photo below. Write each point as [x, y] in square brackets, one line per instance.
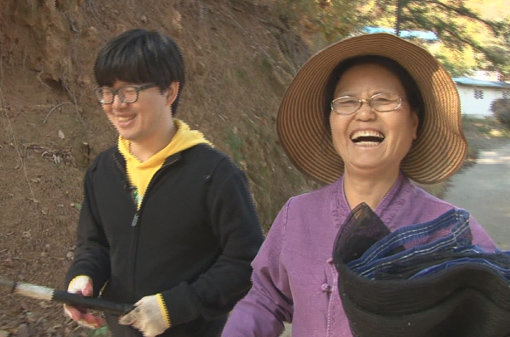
[436, 154]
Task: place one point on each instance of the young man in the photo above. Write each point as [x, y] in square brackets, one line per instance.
[167, 222]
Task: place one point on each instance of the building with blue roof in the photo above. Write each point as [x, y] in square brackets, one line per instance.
[477, 95]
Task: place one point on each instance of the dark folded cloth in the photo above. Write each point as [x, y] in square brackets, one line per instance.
[423, 280]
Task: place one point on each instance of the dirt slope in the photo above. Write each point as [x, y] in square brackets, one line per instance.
[240, 56]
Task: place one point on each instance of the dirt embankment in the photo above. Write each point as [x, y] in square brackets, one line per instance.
[240, 56]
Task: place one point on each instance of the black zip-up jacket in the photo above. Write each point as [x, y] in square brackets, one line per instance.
[192, 239]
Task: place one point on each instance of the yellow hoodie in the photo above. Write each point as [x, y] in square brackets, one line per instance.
[140, 174]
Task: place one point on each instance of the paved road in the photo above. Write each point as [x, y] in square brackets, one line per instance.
[484, 190]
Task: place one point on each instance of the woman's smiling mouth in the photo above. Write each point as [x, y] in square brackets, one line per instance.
[367, 137]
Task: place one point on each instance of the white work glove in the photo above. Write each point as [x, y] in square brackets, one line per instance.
[150, 316]
[82, 284]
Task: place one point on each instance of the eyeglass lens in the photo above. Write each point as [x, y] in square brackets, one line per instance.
[126, 95]
[347, 105]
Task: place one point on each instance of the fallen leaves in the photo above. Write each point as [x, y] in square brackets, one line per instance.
[57, 155]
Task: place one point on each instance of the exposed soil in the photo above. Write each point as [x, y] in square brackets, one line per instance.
[240, 56]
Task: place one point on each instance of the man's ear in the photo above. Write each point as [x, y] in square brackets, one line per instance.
[171, 92]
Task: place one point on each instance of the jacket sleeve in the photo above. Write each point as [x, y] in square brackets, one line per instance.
[235, 224]
[269, 302]
[92, 249]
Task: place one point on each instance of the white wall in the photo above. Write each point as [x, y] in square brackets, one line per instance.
[478, 107]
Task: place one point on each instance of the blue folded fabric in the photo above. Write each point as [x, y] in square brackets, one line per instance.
[434, 246]
[423, 280]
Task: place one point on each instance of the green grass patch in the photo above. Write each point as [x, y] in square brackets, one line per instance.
[235, 144]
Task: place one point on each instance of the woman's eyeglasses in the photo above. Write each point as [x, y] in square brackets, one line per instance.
[381, 102]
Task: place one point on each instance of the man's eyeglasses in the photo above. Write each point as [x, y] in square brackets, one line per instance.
[381, 102]
[127, 94]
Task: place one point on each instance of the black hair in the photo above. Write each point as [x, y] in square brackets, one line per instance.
[141, 56]
[413, 93]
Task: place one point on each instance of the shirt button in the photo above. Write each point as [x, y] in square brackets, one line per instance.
[325, 287]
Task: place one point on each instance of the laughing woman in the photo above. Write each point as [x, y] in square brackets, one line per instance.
[367, 115]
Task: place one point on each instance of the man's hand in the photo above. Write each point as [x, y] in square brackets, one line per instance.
[82, 285]
[150, 316]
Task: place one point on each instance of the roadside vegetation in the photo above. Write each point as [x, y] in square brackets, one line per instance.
[501, 110]
[483, 134]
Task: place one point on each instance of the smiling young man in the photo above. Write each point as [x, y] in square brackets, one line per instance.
[167, 222]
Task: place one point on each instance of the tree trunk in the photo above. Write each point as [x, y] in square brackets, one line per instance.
[398, 18]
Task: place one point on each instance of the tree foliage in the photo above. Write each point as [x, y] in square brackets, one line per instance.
[469, 40]
[457, 26]
[501, 110]
[333, 19]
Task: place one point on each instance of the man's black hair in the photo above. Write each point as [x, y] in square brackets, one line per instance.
[140, 56]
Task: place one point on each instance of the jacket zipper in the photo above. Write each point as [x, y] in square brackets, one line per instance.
[136, 218]
[134, 222]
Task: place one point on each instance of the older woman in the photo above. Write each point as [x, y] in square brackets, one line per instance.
[366, 115]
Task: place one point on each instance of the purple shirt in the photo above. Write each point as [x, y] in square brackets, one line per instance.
[294, 279]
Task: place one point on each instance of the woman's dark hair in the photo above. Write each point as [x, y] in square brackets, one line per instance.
[140, 56]
[413, 94]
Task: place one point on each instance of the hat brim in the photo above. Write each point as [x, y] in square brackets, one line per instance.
[437, 153]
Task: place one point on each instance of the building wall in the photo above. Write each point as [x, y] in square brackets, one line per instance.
[477, 102]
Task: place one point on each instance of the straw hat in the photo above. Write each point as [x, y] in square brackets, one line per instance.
[440, 148]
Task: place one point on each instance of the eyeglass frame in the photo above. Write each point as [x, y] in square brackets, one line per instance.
[368, 101]
[122, 98]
